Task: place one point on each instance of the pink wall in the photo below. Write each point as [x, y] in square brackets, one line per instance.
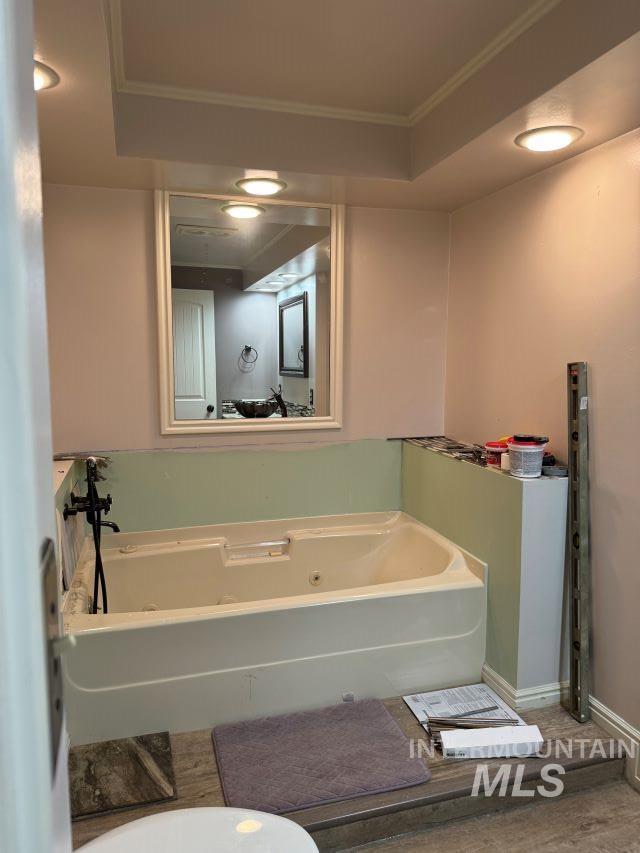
[545, 272]
[100, 268]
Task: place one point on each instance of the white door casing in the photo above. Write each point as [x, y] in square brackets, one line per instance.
[194, 354]
[34, 808]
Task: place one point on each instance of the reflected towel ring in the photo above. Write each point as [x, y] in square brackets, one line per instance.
[245, 355]
[301, 355]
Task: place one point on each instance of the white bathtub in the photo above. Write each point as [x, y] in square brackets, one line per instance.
[227, 622]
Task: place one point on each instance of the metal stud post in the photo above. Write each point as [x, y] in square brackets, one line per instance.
[579, 552]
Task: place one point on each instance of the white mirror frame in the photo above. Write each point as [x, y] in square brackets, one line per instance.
[168, 423]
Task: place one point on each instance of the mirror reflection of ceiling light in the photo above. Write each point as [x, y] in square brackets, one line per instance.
[261, 186]
[242, 210]
[289, 276]
[44, 77]
[548, 138]
[267, 287]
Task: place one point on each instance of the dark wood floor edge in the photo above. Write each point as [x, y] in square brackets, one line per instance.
[352, 836]
[530, 774]
[508, 804]
[121, 809]
[378, 811]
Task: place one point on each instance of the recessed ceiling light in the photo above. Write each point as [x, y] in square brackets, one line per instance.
[261, 186]
[43, 76]
[548, 138]
[288, 275]
[242, 210]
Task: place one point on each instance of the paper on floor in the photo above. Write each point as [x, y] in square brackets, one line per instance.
[504, 742]
[461, 700]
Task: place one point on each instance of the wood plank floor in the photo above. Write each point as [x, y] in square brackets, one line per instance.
[605, 819]
[344, 825]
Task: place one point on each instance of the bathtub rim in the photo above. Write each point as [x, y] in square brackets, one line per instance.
[198, 532]
[463, 571]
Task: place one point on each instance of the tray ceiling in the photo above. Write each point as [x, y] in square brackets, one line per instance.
[370, 56]
[130, 110]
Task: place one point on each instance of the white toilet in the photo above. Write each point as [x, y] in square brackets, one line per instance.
[206, 830]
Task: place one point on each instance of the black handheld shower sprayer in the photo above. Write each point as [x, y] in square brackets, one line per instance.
[94, 506]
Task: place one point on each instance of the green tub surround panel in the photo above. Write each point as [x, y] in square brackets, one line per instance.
[64, 484]
[163, 489]
[518, 528]
[482, 512]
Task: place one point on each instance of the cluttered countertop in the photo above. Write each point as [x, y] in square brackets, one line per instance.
[522, 455]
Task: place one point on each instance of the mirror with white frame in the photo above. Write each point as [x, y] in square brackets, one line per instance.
[250, 313]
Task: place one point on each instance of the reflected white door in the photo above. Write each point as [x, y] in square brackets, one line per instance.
[194, 354]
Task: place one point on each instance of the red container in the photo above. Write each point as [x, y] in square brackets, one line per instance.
[494, 451]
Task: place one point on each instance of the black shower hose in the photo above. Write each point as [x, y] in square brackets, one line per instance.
[98, 575]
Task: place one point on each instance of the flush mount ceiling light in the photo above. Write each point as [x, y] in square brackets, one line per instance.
[242, 210]
[43, 76]
[289, 276]
[548, 138]
[261, 186]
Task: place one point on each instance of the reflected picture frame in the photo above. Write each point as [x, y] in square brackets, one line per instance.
[285, 369]
[169, 424]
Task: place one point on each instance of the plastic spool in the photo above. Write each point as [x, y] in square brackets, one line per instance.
[525, 459]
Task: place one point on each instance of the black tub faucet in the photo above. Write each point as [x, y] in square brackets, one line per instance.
[93, 506]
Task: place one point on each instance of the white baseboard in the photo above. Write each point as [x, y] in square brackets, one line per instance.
[621, 730]
[528, 697]
[552, 694]
[502, 687]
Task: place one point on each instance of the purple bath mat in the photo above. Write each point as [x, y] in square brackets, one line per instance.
[280, 764]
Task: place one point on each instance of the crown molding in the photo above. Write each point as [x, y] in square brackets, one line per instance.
[272, 242]
[113, 14]
[223, 99]
[504, 38]
[113, 23]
